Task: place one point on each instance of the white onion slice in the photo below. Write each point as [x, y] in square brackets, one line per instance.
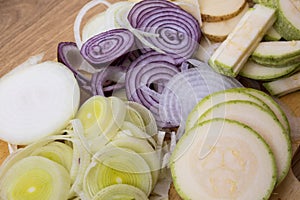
[37, 101]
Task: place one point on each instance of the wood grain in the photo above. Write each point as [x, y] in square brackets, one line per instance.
[30, 27]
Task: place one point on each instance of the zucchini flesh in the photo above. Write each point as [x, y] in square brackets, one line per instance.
[220, 97]
[277, 50]
[287, 23]
[239, 166]
[242, 41]
[257, 71]
[262, 121]
[273, 105]
[284, 86]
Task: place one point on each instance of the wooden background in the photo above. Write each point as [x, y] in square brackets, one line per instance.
[30, 27]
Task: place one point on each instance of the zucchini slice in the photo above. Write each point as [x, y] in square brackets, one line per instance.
[263, 122]
[239, 166]
[257, 71]
[273, 105]
[277, 50]
[272, 35]
[284, 86]
[233, 53]
[220, 97]
[287, 23]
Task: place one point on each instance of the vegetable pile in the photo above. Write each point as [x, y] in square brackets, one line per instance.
[149, 93]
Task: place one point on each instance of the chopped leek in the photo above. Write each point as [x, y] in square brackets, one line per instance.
[35, 178]
[120, 192]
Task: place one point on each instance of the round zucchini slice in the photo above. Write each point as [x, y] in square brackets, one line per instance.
[240, 164]
[262, 121]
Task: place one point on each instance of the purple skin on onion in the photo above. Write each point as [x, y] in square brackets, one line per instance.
[178, 31]
[69, 55]
[107, 47]
[146, 77]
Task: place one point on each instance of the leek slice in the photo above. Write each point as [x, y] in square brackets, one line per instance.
[101, 116]
[148, 118]
[129, 129]
[120, 192]
[57, 152]
[145, 150]
[133, 116]
[115, 166]
[35, 178]
[94, 115]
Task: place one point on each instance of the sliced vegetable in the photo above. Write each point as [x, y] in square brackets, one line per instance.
[233, 53]
[175, 104]
[103, 49]
[108, 80]
[218, 31]
[218, 10]
[179, 32]
[257, 71]
[273, 105]
[277, 50]
[117, 166]
[272, 35]
[57, 152]
[262, 121]
[145, 150]
[149, 72]
[219, 97]
[287, 23]
[277, 62]
[94, 26]
[148, 118]
[46, 93]
[35, 178]
[240, 164]
[284, 86]
[120, 192]
[80, 16]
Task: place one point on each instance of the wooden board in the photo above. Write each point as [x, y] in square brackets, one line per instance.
[34, 26]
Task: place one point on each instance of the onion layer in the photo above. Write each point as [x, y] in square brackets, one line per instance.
[103, 49]
[179, 32]
[144, 74]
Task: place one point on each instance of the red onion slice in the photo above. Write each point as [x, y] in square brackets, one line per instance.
[186, 89]
[179, 32]
[69, 55]
[146, 6]
[105, 48]
[108, 80]
[143, 74]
